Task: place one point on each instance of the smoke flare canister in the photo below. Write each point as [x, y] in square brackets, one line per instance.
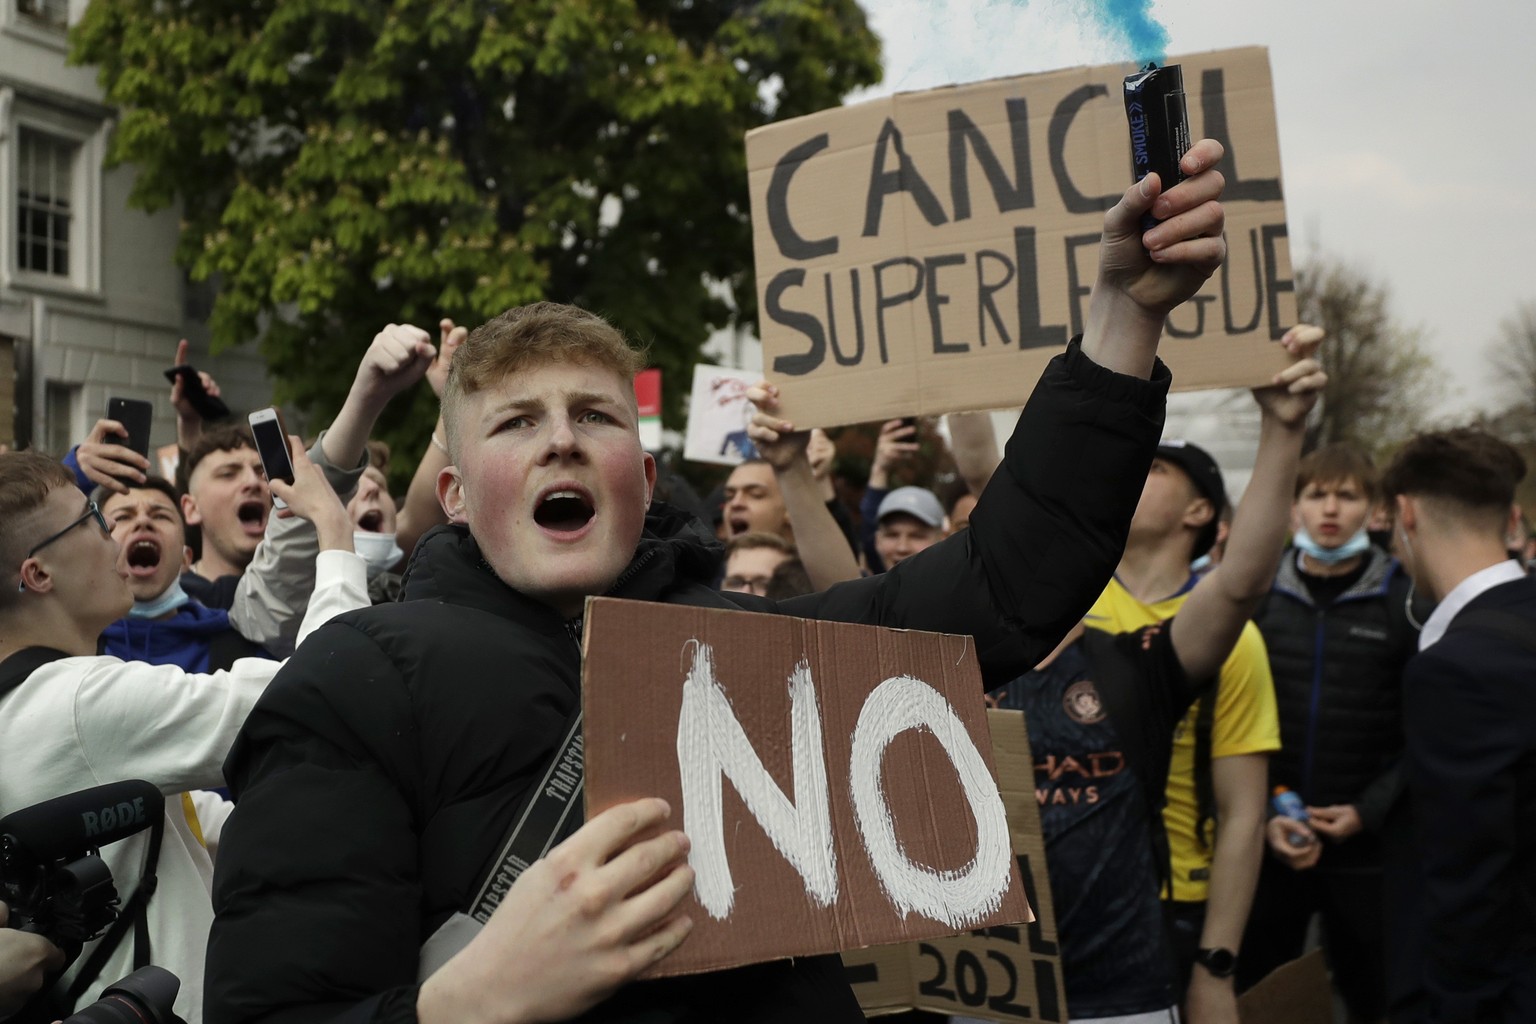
[1159, 122]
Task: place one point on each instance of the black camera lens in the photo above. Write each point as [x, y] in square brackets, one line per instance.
[144, 997]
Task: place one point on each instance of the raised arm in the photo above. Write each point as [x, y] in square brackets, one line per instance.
[1143, 275]
[397, 358]
[1209, 623]
[823, 548]
[974, 445]
[106, 463]
[421, 510]
[1049, 530]
[278, 591]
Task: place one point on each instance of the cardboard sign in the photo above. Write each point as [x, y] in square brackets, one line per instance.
[929, 252]
[1295, 993]
[718, 414]
[1009, 973]
[836, 781]
[648, 398]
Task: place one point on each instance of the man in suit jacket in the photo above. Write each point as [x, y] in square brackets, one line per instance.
[1469, 710]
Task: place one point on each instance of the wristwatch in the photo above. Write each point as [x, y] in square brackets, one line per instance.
[1218, 962]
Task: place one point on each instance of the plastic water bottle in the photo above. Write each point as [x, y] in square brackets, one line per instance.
[1289, 805]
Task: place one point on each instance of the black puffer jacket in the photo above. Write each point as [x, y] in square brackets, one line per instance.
[380, 770]
[1338, 685]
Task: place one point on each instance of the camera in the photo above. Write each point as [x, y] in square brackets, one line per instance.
[144, 997]
[51, 873]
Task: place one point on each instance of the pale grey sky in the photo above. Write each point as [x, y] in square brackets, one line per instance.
[1407, 138]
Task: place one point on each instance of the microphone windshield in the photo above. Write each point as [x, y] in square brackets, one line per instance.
[66, 826]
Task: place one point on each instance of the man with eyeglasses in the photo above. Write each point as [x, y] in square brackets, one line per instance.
[71, 719]
[751, 558]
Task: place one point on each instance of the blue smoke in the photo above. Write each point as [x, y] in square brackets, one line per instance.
[1133, 19]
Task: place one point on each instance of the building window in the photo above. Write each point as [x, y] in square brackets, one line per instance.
[53, 13]
[45, 170]
[63, 415]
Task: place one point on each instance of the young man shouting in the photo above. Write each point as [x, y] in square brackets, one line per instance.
[408, 765]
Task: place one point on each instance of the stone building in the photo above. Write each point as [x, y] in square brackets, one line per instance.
[92, 303]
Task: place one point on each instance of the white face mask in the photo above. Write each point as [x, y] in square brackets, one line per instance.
[379, 550]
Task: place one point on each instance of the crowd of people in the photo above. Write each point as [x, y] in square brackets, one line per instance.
[349, 703]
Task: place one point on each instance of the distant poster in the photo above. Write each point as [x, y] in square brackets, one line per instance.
[648, 399]
[718, 414]
[169, 458]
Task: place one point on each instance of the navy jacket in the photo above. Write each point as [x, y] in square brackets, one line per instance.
[1469, 709]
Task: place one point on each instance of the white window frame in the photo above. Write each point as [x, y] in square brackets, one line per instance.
[90, 138]
[37, 31]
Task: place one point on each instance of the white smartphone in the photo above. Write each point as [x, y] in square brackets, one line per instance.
[272, 446]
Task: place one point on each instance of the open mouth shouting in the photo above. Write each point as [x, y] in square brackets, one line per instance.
[565, 511]
[253, 517]
[144, 555]
[371, 521]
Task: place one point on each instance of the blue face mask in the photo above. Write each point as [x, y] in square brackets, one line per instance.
[1359, 544]
[173, 598]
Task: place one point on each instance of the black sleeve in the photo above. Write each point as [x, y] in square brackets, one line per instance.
[1376, 800]
[316, 891]
[844, 522]
[1045, 535]
[1464, 759]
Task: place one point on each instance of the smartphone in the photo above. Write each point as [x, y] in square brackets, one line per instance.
[209, 407]
[272, 445]
[135, 415]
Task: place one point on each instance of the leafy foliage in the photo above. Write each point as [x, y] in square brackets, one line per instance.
[1381, 382]
[341, 164]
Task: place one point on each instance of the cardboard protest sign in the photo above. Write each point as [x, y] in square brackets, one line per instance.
[648, 401]
[1007, 973]
[718, 414]
[836, 780]
[929, 252]
[1295, 993]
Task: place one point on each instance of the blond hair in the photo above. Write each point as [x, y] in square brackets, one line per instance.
[532, 335]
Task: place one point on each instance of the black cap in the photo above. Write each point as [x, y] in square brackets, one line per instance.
[1206, 475]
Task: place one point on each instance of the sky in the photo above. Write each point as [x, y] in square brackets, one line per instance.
[1407, 139]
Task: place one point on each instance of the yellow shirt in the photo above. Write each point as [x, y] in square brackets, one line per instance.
[1246, 722]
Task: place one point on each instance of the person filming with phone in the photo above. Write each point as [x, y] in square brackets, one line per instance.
[71, 719]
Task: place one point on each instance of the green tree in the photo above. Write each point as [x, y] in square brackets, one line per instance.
[341, 164]
[1382, 384]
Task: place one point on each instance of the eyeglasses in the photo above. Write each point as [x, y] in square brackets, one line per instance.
[747, 584]
[92, 511]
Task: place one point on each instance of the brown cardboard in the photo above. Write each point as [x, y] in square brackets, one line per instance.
[640, 659]
[1295, 993]
[818, 223]
[1001, 973]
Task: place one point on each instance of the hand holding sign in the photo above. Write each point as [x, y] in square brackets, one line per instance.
[777, 441]
[574, 927]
